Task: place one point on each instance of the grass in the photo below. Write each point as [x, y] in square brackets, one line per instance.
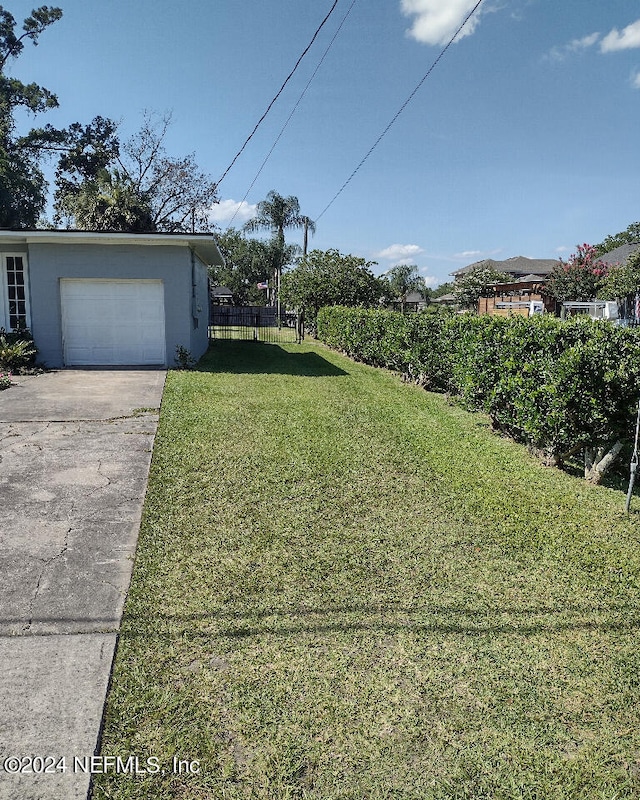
[271, 334]
[347, 588]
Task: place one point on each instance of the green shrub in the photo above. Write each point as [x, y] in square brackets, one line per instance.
[17, 351]
[183, 358]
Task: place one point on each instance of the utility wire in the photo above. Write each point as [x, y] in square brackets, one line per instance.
[284, 127]
[400, 110]
[280, 90]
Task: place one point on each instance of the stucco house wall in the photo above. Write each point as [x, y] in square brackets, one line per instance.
[199, 308]
[178, 262]
[48, 263]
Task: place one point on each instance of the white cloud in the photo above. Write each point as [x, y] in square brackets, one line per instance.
[574, 46]
[478, 255]
[622, 40]
[437, 20]
[581, 44]
[635, 80]
[401, 253]
[226, 210]
[431, 281]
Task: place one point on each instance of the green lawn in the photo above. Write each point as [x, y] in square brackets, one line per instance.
[347, 588]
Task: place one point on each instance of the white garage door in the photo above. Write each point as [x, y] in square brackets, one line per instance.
[112, 322]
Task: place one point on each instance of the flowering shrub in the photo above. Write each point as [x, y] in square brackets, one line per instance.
[5, 380]
[579, 278]
[559, 387]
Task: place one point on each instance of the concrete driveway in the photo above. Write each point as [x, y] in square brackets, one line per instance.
[75, 449]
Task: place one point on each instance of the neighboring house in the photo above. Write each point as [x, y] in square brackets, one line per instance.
[107, 299]
[221, 296]
[620, 254]
[517, 267]
[446, 300]
[523, 285]
[523, 297]
[414, 301]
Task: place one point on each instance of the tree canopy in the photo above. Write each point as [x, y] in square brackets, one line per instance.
[277, 214]
[581, 277]
[471, 286]
[628, 236]
[623, 279]
[101, 184]
[247, 263]
[22, 184]
[328, 277]
[404, 279]
[444, 288]
[137, 183]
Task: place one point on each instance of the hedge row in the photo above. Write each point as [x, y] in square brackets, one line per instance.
[556, 386]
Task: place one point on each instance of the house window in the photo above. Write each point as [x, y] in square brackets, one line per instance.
[14, 307]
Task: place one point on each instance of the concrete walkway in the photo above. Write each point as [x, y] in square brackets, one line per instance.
[75, 449]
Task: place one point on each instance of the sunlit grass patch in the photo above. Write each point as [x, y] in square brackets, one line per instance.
[346, 588]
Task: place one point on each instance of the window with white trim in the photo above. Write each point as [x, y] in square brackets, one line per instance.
[14, 300]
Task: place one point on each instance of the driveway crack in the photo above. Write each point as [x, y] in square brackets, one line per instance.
[47, 563]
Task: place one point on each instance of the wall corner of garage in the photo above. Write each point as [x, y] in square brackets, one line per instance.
[199, 339]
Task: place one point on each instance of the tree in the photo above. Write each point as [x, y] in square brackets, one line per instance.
[326, 278]
[22, 184]
[579, 278]
[247, 263]
[404, 279]
[622, 280]
[629, 236]
[111, 202]
[160, 193]
[276, 214]
[444, 288]
[471, 287]
[181, 194]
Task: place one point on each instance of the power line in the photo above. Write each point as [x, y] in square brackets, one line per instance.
[400, 110]
[284, 127]
[280, 90]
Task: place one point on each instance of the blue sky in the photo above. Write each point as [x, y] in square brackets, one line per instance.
[524, 140]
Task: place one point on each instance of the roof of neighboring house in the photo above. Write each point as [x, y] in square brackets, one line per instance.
[526, 281]
[221, 291]
[203, 244]
[516, 266]
[445, 298]
[620, 254]
[414, 297]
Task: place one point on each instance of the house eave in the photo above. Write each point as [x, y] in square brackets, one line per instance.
[203, 244]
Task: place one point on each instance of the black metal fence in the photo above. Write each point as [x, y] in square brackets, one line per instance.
[257, 323]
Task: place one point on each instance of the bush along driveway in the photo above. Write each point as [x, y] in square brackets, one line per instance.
[347, 588]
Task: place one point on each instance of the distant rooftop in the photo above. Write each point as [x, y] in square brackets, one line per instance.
[518, 266]
[620, 254]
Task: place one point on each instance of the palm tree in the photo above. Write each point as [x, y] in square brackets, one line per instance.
[275, 214]
[404, 279]
[110, 202]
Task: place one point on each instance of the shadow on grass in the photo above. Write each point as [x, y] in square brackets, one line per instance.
[260, 358]
[394, 618]
[353, 618]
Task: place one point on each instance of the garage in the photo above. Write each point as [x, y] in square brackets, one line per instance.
[103, 298]
[113, 322]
